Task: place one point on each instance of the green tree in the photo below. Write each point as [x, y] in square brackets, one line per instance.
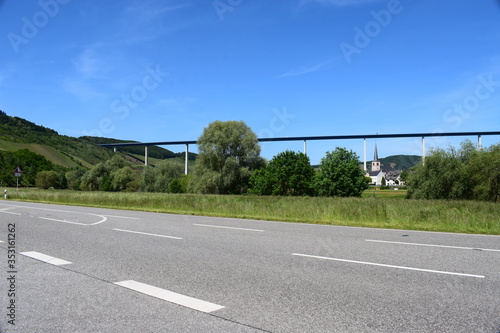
[484, 172]
[340, 175]
[442, 175]
[228, 153]
[158, 178]
[288, 173]
[47, 179]
[74, 178]
[121, 178]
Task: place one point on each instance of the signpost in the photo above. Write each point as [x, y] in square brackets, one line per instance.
[17, 173]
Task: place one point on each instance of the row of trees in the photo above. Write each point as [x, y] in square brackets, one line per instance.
[229, 162]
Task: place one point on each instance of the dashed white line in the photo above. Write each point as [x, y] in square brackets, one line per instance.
[147, 233]
[389, 266]
[170, 296]
[433, 245]
[223, 227]
[45, 258]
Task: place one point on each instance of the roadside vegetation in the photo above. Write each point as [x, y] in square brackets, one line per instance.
[452, 190]
[395, 213]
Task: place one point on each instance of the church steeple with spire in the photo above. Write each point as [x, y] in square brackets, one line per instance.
[375, 162]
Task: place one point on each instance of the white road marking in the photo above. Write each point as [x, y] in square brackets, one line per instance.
[63, 221]
[170, 296]
[104, 219]
[389, 266]
[146, 233]
[433, 245]
[5, 210]
[12, 213]
[219, 226]
[120, 217]
[45, 258]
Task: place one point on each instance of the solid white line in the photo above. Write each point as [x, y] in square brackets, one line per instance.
[390, 266]
[146, 233]
[170, 296]
[63, 221]
[45, 258]
[433, 245]
[120, 217]
[12, 213]
[219, 226]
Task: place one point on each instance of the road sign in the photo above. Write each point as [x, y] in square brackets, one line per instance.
[18, 172]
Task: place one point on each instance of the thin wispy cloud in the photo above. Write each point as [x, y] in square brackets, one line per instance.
[338, 3]
[148, 20]
[322, 66]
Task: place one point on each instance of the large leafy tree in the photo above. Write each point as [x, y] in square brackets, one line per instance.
[340, 175]
[288, 173]
[228, 152]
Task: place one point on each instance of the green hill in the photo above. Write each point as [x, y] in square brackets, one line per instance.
[17, 133]
[65, 151]
[399, 162]
[396, 162]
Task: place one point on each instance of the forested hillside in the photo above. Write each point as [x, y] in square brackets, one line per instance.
[17, 133]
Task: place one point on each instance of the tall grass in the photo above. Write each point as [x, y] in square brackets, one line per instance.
[431, 215]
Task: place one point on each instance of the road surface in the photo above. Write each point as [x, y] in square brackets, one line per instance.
[79, 269]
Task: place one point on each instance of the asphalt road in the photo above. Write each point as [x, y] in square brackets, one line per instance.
[81, 269]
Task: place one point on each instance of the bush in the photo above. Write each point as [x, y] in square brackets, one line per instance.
[457, 174]
[288, 173]
[158, 179]
[47, 179]
[340, 175]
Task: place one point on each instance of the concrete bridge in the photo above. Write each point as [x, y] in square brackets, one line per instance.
[312, 138]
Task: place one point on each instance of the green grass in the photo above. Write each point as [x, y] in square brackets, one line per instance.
[378, 212]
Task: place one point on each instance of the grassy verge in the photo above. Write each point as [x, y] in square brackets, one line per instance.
[437, 215]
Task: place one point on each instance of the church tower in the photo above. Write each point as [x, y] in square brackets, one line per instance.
[375, 162]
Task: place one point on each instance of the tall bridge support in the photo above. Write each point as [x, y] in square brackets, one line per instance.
[186, 160]
[364, 154]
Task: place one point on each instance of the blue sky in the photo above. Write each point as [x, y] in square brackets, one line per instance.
[150, 70]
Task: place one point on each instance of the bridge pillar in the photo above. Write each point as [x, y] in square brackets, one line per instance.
[186, 160]
[364, 154]
[423, 150]
[305, 147]
[479, 143]
[146, 155]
